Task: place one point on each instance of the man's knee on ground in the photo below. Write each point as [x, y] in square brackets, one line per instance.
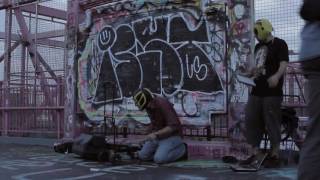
[144, 156]
[160, 158]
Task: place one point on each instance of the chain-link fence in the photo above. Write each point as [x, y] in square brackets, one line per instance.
[287, 24]
[284, 16]
[32, 93]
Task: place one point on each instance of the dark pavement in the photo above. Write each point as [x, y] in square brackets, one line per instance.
[23, 162]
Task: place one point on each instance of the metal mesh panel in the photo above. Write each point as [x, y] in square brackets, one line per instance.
[58, 4]
[284, 16]
[35, 102]
[53, 53]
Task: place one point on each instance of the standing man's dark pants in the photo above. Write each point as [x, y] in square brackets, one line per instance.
[309, 164]
[263, 114]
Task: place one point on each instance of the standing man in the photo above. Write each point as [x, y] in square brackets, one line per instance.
[263, 110]
[309, 164]
[164, 143]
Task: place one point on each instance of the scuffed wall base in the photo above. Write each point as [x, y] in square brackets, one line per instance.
[216, 149]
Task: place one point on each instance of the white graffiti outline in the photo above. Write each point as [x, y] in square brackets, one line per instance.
[98, 79]
[124, 61]
[193, 68]
[220, 80]
[142, 77]
[152, 20]
[153, 27]
[134, 35]
[161, 63]
[99, 38]
[190, 28]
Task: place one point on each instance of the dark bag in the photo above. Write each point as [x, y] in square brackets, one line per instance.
[90, 146]
[63, 146]
[310, 10]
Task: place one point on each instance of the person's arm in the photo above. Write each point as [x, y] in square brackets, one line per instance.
[250, 69]
[274, 79]
[146, 129]
[164, 132]
[172, 121]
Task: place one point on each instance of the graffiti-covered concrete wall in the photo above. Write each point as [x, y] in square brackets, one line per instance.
[186, 51]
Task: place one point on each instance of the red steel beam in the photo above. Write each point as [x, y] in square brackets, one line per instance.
[88, 4]
[42, 41]
[47, 67]
[49, 34]
[46, 11]
[4, 4]
[33, 108]
[31, 47]
[42, 35]
[13, 47]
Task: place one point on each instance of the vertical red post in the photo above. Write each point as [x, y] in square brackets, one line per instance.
[7, 62]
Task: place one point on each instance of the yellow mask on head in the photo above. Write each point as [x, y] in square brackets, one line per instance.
[262, 29]
[142, 97]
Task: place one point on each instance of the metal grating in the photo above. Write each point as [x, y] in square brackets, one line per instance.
[284, 16]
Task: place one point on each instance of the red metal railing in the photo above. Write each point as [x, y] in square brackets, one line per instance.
[29, 113]
[294, 89]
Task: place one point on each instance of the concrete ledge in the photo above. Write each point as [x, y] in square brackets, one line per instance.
[27, 141]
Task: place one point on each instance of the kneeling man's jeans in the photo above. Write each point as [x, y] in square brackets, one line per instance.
[163, 151]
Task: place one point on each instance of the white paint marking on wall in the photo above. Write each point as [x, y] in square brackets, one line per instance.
[24, 176]
[84, 176]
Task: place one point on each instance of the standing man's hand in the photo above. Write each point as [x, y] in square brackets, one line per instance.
[273, 81]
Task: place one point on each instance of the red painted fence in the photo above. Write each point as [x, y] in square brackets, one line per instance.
[30, 113]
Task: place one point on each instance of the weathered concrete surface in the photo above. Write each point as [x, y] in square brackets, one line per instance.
[24, 162]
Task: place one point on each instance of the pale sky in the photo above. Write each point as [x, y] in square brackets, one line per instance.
[2, 20]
